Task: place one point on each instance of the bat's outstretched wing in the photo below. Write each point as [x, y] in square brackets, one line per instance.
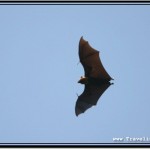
[89, 58]
[90, 96]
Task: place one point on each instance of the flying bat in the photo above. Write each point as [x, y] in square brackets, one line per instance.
[96, 79]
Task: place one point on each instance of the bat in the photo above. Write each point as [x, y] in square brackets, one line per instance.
[96, 79]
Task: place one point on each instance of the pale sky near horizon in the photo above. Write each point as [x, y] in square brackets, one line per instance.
[39, 72]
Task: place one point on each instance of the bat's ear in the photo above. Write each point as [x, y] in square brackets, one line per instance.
[81, 77]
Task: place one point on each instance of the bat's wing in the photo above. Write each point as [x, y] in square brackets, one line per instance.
[90, 97]
[89, 58]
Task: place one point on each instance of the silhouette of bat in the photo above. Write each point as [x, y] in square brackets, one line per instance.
[96, 79]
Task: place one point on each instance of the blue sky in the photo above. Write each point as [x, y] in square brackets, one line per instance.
[39, 72]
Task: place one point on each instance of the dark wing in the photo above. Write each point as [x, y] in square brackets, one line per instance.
[90, 96]
[91, 62]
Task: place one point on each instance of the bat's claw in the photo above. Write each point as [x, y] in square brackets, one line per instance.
[111, 83]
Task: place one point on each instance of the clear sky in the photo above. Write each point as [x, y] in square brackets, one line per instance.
[39, 72]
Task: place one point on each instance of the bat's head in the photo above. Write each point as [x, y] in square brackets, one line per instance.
[83, 80]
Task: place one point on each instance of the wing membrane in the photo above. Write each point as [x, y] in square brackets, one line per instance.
[89, 58]
[90, 97]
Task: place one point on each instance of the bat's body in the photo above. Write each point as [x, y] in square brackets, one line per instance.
[91, 80]
[96, 78]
